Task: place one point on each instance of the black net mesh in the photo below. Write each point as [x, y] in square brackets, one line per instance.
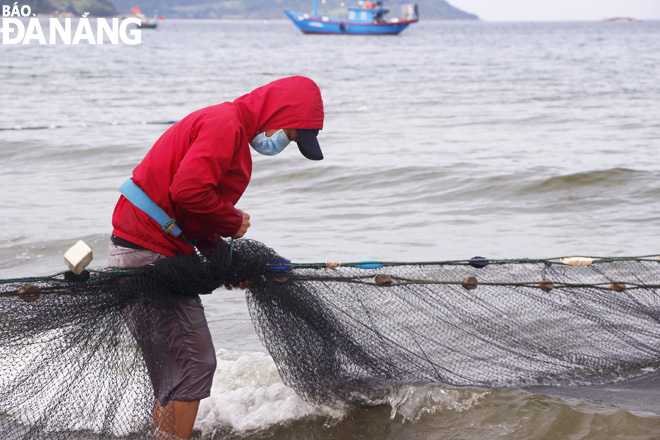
[341, 335]
[72, 354]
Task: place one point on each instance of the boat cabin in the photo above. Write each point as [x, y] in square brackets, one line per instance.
[366, 12]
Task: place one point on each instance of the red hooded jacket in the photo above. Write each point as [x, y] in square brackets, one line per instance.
[199, 168]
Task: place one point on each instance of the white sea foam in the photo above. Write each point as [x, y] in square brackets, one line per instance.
[248, 395]
[413, 400]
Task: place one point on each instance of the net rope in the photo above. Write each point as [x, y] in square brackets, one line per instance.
[72, 354]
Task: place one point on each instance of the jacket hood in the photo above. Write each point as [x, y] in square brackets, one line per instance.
[293, 102]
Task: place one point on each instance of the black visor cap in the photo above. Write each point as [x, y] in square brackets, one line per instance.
[308, 144]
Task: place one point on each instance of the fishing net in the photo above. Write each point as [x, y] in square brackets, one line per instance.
[72, 354]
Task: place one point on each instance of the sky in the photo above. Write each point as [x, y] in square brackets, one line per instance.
[559, 10]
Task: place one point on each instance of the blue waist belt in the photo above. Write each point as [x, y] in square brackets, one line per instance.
[141, 200]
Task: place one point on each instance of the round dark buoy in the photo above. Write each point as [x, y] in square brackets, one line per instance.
[469, 283]
[546, 285]
[479, 262]
[29, 293]
[618, 286]
[383, 280]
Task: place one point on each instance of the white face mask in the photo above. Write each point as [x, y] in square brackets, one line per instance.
[270, 146]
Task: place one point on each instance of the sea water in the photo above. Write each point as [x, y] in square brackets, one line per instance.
[451, 140]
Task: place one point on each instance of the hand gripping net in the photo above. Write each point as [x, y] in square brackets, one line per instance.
[70, 366]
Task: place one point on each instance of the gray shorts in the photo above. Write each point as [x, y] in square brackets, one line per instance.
[189, 356]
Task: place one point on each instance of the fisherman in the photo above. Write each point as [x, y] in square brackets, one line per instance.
[183, 195]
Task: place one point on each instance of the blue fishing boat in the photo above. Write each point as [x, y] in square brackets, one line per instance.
[364, 18]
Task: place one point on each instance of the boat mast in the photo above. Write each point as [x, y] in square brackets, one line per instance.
[316, 8]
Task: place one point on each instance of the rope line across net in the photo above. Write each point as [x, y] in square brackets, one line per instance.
[340, 334]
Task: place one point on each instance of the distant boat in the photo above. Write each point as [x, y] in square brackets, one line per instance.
[146, 22]
[364, 18]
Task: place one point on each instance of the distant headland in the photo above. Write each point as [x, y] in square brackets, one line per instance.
[72, 8]
[227, 9]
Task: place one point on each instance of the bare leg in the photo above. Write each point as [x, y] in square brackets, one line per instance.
[177, 418]
[164, 421]
[185, 414]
